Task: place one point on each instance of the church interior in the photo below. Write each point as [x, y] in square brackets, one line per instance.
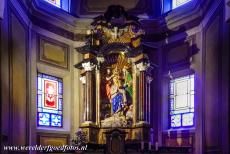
[114, 76]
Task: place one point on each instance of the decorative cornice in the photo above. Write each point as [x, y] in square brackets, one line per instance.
[176, 21]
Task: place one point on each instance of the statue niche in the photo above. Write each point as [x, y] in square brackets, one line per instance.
[116, 91]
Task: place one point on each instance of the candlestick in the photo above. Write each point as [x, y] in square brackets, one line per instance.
[142, 145]
[97, 42]
[88, 32]
[156, 146]
[149, 145]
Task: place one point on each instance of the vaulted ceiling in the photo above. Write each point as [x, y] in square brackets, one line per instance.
[90, 7]
[73, 25]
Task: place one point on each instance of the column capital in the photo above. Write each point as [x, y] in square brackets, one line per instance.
[88, 66]
[143, 66]
[83, 79]
[149, 79]
[100, 59]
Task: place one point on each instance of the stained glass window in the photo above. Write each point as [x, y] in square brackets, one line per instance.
[49, 101]
[181, 100]
[63, 4]
[177, 3]
[56, 3]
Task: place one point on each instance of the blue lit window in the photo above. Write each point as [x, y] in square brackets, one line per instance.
[56, 3]
[177, 3]
[181, 100]
[63, 4]
[49, 101]
[168, 5]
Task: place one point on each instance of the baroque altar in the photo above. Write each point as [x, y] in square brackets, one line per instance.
[116, 78]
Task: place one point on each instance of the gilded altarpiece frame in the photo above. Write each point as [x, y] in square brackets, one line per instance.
[116, 78]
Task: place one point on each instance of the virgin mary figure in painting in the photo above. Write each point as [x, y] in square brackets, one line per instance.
[118, 95]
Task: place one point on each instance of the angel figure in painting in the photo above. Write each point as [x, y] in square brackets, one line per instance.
[127, 77]
[109, 77]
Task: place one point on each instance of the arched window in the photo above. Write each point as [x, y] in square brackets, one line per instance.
[63, 4]
[181, 101]
[49, 101]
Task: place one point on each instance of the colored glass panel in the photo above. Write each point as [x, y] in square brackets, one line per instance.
[176, 121]
[56, 3]
[177, 3]
[62, 4]
[181, 101]
[187, 119]
[49, 100]
[44, 119]
[56, 120]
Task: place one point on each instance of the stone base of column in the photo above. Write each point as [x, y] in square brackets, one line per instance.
[143, 130]
[142, 124]
[88, 123]
[91, 131]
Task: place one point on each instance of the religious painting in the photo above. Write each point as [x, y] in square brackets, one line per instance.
[116, 91]
[116, 74]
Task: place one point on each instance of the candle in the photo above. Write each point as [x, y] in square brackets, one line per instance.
[97, 42]
[156, 146]
[149, 145]
[142, 145]
[88, 32]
